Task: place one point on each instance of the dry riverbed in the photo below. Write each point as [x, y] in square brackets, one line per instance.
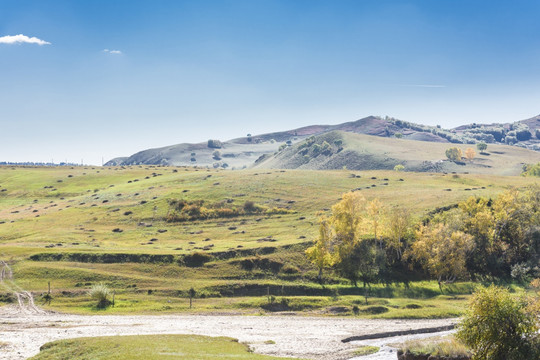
[292, 336]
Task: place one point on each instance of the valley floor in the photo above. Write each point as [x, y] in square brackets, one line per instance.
[279, 335]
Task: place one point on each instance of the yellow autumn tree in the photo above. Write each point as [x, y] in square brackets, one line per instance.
[441, 251]
[375, 214]
[454, 154]
[347, 216]
[397, 228]
[320, 254]
[470, 154]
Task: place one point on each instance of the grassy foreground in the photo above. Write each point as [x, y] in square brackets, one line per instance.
[158, 347]
[443, 347]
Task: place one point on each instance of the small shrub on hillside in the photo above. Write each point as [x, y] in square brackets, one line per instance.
[250, 207]
[101, 293]
[326, 148]
[481, 146]
[214, 144]
[254, 262]
[197, 259]
[290, 269]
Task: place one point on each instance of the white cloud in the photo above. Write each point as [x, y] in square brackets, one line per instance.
[22, 39]
[115, 52]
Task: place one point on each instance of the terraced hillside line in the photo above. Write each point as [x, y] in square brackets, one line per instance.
[25, 299]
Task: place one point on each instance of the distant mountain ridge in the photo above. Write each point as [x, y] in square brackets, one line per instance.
[245, 151]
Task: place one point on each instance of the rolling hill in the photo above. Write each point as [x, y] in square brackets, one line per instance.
[243, 152]
[338, 149]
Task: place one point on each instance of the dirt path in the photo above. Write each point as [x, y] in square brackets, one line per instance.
[25, 299]
[294, 336]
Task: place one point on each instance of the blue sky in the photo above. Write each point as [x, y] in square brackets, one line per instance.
[122, 76]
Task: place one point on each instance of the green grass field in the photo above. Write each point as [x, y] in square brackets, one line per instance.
[63, 219]
[159, 347]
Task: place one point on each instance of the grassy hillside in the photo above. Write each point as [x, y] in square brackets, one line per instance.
[77, 227]
[242, 152]
[364, 152]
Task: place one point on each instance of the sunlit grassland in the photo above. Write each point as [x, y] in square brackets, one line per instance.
[76, 213]
[79, 213]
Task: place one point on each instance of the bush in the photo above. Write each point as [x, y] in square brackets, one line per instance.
[523, 135]
[481, 146]
[254, 262]
[197, 259]
[214, 144]
[101, 293]
[290, 269]
[250, 207]
[499, 326]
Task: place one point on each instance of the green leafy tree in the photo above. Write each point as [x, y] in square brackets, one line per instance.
[399, 168]
[498, 326]
[481, 146]
[363, 264]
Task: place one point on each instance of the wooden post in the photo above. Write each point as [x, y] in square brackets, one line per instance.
[113, 295]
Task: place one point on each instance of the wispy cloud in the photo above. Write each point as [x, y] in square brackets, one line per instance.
[422, 85]
[115, 52]
[22, 39]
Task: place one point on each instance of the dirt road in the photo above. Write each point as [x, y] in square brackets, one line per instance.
[294, 336]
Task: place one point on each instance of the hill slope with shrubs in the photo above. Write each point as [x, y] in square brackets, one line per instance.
[338, 149]
[242, 152]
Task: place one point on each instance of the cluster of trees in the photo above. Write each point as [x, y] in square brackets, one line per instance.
[364, 241]
[455, 154]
